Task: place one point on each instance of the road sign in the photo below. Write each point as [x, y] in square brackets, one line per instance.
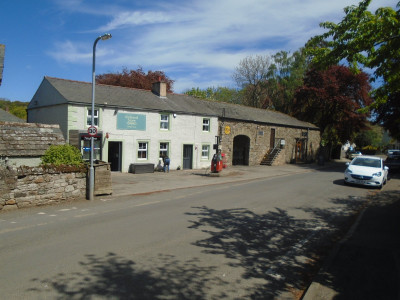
[92, 130]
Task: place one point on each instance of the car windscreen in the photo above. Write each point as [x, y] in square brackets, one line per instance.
[367, 162]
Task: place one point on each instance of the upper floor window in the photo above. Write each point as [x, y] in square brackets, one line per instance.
[142, 150]
[89, 117]
[164, 122]
[206, 125]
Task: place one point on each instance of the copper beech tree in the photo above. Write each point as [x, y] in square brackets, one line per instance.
[332, 99]
[135, 79]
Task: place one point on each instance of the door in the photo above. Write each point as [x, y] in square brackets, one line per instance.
[187, 156]
[299, 148]
[272, 139]
[115, 155]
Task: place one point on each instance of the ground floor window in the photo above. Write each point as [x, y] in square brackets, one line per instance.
[142, 150]
[164, 147]
[205, 151]
[85, 141]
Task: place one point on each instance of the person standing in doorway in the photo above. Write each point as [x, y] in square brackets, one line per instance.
[166, 163]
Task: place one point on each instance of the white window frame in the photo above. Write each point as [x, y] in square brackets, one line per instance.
[207, 149]
[142, 150]
[164, 122]
[206, 124]
[89, 117]
[163, 151]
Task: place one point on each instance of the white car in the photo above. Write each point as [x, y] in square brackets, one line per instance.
[366, 170]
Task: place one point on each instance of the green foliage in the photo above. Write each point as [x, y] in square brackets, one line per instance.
[271, 81]
[62, 155]
[222, 94]
[17, 108]
[365, 39]
[371, 137]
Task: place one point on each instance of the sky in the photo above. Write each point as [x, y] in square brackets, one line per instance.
[196, 43]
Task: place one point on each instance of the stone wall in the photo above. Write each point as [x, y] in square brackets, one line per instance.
[260, 140]
[35, 186]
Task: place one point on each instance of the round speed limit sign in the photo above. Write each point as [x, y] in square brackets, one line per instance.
[92, 130]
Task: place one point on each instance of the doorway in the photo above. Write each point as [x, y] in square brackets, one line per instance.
[272, 139]
[115, 156]
[187, 157]
[300, 150]
[241, 150]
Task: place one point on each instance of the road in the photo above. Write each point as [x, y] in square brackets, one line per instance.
[257, 239]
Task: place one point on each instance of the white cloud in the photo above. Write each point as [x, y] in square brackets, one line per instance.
[135, 18]
[204, 36]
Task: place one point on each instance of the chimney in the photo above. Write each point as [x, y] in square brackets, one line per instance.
[159, 88]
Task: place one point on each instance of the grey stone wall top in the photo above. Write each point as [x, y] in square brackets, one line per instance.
[28, 139]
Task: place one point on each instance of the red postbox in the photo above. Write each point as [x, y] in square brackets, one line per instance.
[224, 160]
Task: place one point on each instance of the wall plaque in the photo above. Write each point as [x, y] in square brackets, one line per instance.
[127, 121]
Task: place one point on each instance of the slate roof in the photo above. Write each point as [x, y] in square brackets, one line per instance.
[77, 92]
[28, 139]
[7, 117]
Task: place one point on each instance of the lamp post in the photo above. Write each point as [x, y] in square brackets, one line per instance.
[103, 37]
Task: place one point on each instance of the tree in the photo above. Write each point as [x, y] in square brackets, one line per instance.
[135, 79]
[364, 39]
[16, 108]
[331, 99]
[388, 114]
[373, 136]
[222, 94]
[250, 75]
[286, 76]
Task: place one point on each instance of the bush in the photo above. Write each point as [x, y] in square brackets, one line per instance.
[62, 155]
[370, 150]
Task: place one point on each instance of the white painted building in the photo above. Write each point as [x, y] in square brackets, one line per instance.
[135, 127]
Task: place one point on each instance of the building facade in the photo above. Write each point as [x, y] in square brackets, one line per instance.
[133, 126]
[138, 127]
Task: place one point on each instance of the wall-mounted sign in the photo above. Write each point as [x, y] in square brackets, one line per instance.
[127, 121]
[227, 130]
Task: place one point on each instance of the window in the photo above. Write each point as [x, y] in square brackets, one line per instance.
[89, 117]
[164, 122]
[164, 149]
[205, 151]
[142, 150]
[206, 125]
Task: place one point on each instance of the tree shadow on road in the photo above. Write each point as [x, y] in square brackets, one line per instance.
[283, 251]
[366, 264]
[115, 277]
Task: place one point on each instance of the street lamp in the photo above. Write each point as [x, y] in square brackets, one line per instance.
[103, 37]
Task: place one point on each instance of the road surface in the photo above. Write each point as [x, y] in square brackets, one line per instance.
[257, 239]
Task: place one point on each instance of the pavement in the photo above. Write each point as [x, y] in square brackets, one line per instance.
[124, 184]
[365, 264]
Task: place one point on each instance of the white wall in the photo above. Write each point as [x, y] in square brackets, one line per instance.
[184, 129]
[57, 114]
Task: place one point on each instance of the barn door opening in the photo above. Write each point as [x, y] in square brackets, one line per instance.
[241, 150]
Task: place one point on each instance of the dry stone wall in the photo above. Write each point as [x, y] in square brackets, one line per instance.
[35, 186]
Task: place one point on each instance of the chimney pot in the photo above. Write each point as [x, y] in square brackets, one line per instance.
[159, 88]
